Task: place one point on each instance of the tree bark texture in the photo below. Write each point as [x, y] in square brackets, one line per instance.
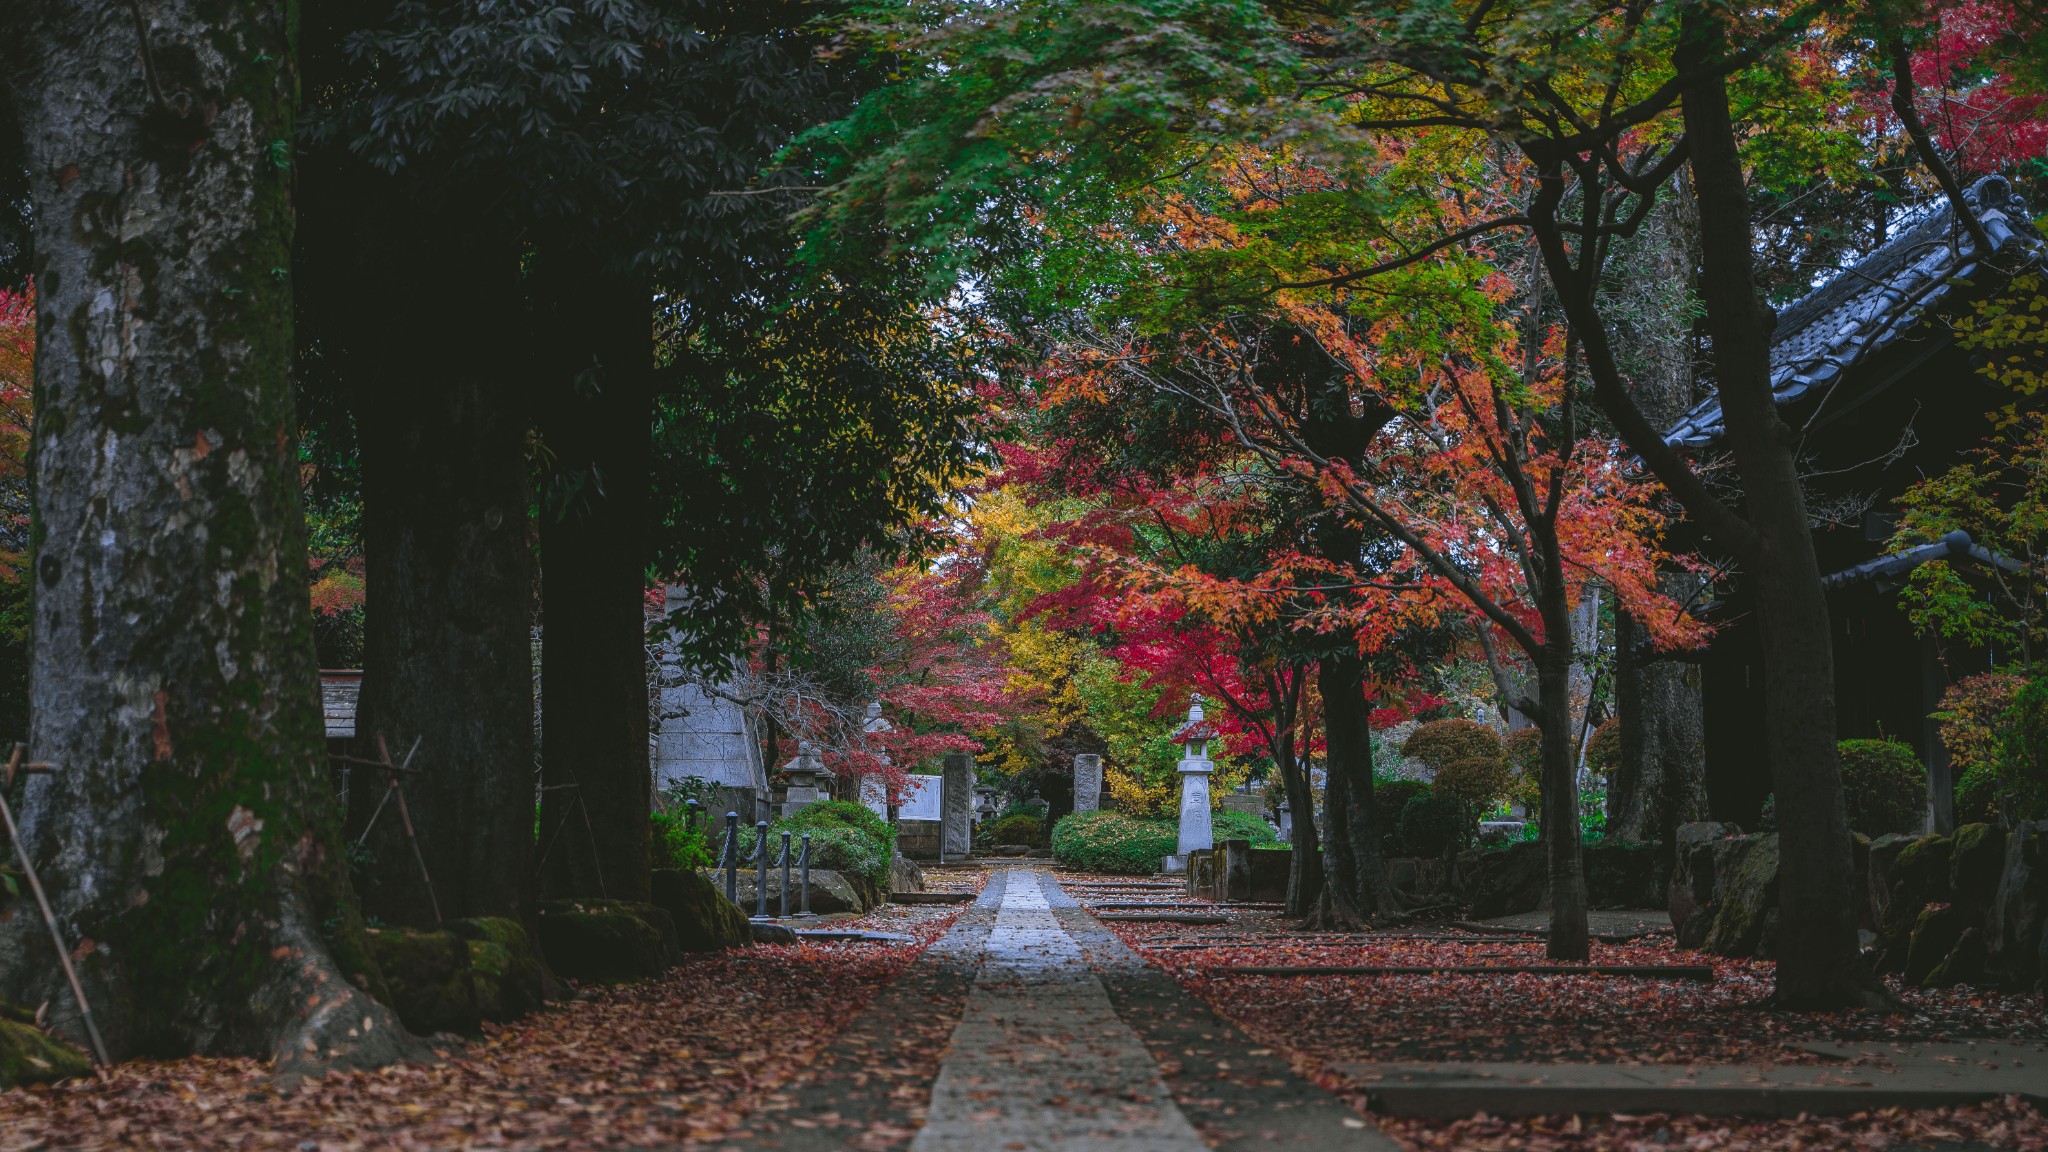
[1817, 961]
[1660, 782]
[441, 416]
[597, 421]
[1565, 871]
[1355, 882]
[1304, 866]
[189, 837]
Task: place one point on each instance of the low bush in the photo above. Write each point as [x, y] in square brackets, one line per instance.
[1240, 826]
[1112, 842]
[1389, 797]
[672, 843]
[845, 837]
[1433, 825]
[1883, 785]
[1022, 828]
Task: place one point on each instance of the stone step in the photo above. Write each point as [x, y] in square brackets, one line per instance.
[1911, 1076]
[932, 897]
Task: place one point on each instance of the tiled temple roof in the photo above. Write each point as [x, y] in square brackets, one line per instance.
[1837, 326]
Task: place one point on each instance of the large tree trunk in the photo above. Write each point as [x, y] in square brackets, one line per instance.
[594, 811]
[189, 837]
[1355, 884]
[1661, 780]
[1817, 962]
[1563, 856]
[447, 540]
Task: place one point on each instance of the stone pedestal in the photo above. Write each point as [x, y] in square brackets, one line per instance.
[956, 831]
[1196, 832]
[1087, 782]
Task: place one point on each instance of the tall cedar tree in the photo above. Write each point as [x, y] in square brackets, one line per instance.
[188, 836]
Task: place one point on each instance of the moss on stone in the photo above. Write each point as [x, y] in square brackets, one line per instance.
[28, 1055]
[705, 920]
[1919, 876]
[504, 967]
[606, 940]
[432, 985]
[1976, 862]
[1746, 907]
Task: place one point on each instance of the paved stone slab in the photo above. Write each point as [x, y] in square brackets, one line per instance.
[1902, 1076]
[1239, 1095]
[1040, 1060]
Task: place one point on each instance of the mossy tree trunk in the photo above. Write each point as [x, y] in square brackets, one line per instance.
[596, 420]
[189, 838]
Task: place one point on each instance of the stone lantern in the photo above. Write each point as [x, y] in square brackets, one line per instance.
[803, 774]
[1194, 737]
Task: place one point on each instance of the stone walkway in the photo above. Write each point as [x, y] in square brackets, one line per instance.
[1066, 1040]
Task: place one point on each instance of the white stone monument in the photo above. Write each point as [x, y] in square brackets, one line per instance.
[1196, 832]
[1087, 782]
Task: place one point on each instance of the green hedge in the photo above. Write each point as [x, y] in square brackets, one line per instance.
[1433, 825]
[1024, 828]
[845, 837]
[1884, 786]
[1240, 826]
[1112, 842]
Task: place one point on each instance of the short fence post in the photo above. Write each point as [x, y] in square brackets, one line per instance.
[806, 891]
[784, 906]
[761, 868]
[729, 857]
[693, 813]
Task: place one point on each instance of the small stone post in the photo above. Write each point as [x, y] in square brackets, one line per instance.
[1087, 782]
[1196, 832]
[956, 826]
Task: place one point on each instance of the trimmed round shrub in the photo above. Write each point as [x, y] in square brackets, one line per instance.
[1389, 797]
[1230, 825]
[1883, 785]
[845, 837]
[1475, 782]
[1112, 842]
[843, 812]
[1022, 828]
[1443, 742]
[1433, 825]
[1603, 748]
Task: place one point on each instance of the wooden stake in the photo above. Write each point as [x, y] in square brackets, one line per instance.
[92, 1030]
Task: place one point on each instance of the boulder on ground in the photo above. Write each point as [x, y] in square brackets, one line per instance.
[1621, 875]
[1964, 963]
[432, 986]
[1689, 897]
[2014, 929]
[606, 940]
[1918, 876]
[1503, 881]
[504, 967]
[705, 920]
[28, 1055]
[1935, 934]
[1975, 864]
[830, 892]
[1745, 904]
[905, 875]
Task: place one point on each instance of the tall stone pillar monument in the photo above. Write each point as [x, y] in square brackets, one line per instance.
[1087, 782]
[1196, 833]
[956, 824]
